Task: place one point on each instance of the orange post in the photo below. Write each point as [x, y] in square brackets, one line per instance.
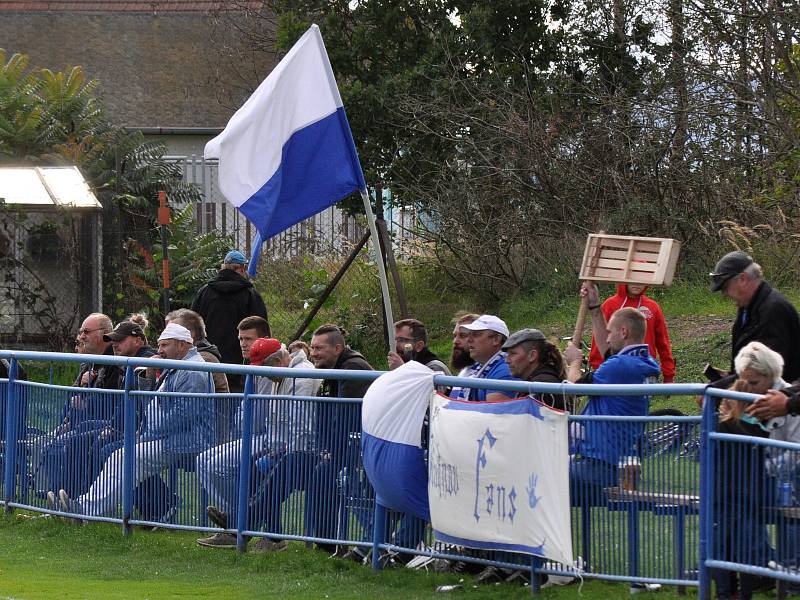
[163, 221]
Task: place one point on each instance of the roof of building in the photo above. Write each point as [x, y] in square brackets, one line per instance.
[46, 187]
[148, 6]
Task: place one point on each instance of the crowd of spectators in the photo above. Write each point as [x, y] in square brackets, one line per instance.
[79, 465]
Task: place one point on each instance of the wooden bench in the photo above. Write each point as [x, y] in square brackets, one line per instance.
[677, 506]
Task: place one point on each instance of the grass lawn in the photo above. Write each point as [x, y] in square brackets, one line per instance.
[45, 558]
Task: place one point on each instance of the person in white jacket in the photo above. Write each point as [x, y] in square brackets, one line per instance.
[280, 425]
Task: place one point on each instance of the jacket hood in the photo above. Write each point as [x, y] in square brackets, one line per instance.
[205, 346]
[622, 292]
[348, 354]
[645, 364]
[299, 359]
[228, 281]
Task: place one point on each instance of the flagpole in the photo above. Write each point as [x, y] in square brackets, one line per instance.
[376, 246]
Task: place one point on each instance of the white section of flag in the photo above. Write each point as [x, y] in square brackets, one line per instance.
[300, 91]
[395, 404]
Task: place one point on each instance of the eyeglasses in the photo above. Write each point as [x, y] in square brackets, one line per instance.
[88, 331]
[405, 340]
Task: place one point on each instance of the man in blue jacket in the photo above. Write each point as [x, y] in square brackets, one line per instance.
[172, 426]
[599, 446]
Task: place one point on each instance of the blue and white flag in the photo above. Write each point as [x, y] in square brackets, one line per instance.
[499, 476]
[288, 153]
[391, 438]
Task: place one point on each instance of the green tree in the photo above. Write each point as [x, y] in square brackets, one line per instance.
[55, 118]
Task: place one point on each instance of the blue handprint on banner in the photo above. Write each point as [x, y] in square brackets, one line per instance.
[533, 499]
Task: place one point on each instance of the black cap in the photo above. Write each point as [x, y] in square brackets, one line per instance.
[729, 266]
[123, 330]
[523, 335]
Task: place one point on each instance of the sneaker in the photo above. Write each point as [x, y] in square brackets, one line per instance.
[444, 565]
[266, 545]
[643, 588]
[396, 560]
[490, 575]
[355, 554]
[554, 580]
[219, 540]
[523, 577]
[420, 562]
[171, 513]
[67, 505]
[218, 517]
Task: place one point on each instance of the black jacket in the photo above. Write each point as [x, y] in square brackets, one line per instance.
[99, 406]
[772, 320]
[546, 374]
[223, 302]
[348, 359]
[338, 422]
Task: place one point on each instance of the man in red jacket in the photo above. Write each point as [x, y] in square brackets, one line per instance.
[656, 337]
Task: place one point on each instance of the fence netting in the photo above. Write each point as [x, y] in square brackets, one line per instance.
[290, 467]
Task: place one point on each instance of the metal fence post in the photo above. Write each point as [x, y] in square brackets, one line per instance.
[707, 470]
[9, 488]
[536, 585]
[378, 529]
[129, 416]
[244, 464]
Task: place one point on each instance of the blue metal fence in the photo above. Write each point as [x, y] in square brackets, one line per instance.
[689, 504]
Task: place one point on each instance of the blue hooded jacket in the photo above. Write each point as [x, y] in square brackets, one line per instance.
[185, 424]
[609, 441]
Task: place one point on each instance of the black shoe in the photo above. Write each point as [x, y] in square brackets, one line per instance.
[763, 584]
[329, 549]
[396, 560]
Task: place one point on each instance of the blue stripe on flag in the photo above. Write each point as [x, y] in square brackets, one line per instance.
[317, 170]
[521, 406]
[451, 539]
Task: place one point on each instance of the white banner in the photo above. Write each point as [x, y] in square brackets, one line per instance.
[499, 476]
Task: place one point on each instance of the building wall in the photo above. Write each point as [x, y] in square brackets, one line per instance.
[154, 69]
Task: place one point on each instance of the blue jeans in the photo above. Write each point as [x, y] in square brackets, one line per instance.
[73, 459]
[588, 477]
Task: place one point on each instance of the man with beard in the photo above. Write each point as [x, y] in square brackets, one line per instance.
[411, 343]
[532, 358]
[460, 358]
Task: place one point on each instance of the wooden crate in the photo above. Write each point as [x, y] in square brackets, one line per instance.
[627, 259]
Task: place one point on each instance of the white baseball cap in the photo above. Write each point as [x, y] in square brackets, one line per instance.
[489, 322]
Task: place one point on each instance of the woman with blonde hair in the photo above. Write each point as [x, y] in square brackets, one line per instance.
[741, 489]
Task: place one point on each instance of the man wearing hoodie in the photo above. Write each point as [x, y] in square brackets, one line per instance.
[656, 336]
[223, 302]
[599, 446]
